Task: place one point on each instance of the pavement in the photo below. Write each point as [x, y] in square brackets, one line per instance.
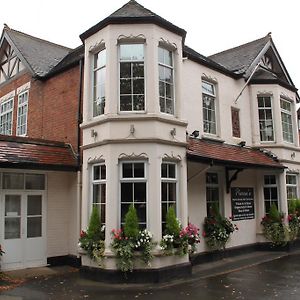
[259, 275]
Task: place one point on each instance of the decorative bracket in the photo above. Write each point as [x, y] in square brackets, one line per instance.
[234, 176]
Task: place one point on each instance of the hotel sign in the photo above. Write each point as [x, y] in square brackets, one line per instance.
[242, 203]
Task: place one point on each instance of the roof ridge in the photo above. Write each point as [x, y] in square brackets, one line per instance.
[36, 38]
[240, 46]
[135, 3]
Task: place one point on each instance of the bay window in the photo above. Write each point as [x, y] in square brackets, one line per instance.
[99, 70]
[134, 190]
[166, 80]
[99, 190]
[132, 81]
[168, 189]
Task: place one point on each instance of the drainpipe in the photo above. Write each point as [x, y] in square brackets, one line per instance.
[79, 120]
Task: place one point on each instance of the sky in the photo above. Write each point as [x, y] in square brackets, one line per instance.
[211, 25]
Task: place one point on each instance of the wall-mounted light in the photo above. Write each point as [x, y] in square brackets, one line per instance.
[195, 133]
[94, 133]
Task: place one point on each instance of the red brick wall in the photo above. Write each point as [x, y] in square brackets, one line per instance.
[52, 106]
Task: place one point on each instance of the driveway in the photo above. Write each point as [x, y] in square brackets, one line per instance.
[277, 279]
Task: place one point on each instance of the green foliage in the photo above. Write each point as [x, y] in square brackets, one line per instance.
[274, 214]
[172, 223]
[94, 231]
[131, 226]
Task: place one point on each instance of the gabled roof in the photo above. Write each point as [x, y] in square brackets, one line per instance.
[24, 153]
[229, 155]
[133, 13]
[239, 59]
[38, 55]
[206, 61]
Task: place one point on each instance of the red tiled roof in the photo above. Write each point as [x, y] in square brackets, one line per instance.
[231, 155]
[20, 152]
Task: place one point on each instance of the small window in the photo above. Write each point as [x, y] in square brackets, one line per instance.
[6, 116]
[166, 80]
[13, 181]
[265, 119]
[132, 81]
[212, 193]
[34, 182]
[286, 121]
[22, 113]
[291, 186]
[99, 70]
[209, 108]
[168, 190]
[270, 192]
[99, 190]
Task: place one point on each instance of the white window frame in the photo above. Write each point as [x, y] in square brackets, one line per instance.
[265, 120]
[2, 114]
[169, 180]
[214, 97]
[213, 185]
[269, 186]
[170, 67]
[133, 180]
[289, 113]
[96, 182]
[292, 185]
[98, 69]
[20, 106]
[119, 78]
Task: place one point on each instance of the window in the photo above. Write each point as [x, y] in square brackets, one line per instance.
[6, 116]
[21, 181]
[291, 186]
[132, 83]
[286, 121]
[166, 81]
[212, 193]
[209, 108]
[22, 113]
[99, 190]
[99, 69]
[265, 119]
[134, 190]
[235, 121]
[270, 192]
[168, 189]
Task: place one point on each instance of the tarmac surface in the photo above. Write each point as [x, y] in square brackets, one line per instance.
[260, 275]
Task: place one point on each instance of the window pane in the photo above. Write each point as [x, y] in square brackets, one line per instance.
[172, 173]
[164, 170]
[125, 103]
[125, 70]
[12, 205]
[172, 192]
[139, 170]
[34, 227]
[13, 181]
[127, 170]
[125, 86]
[34, 205]
[141, 212]
[132, 52]
[138, 70]
[124, 210]
[126, 192]
[212, 178]
[35, 181]
[140, 192]
[164, 191]
[12, 228]
[138, 102]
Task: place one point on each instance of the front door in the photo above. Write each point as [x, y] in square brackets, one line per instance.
[24, 240]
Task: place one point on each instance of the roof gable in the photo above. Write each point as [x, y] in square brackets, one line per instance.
[38, 55]
[133, 13]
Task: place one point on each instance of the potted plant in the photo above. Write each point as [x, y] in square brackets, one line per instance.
[92, 240]
[176, 239]
[130, 242]
[274, 228]
[293, 219]
[217, 230]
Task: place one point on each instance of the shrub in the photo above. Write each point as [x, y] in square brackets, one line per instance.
[92, 240]
[172, 223]
[131, 226]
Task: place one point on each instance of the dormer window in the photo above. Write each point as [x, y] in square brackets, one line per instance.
[99, 70]
[166, 81]
[132, 81]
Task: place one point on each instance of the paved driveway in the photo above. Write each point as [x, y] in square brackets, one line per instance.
[278, 279]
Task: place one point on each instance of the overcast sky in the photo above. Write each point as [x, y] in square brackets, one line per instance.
[211, 25]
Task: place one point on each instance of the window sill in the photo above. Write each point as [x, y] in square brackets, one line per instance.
[212, 138]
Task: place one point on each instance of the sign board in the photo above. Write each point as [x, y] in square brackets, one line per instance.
[242, 203]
